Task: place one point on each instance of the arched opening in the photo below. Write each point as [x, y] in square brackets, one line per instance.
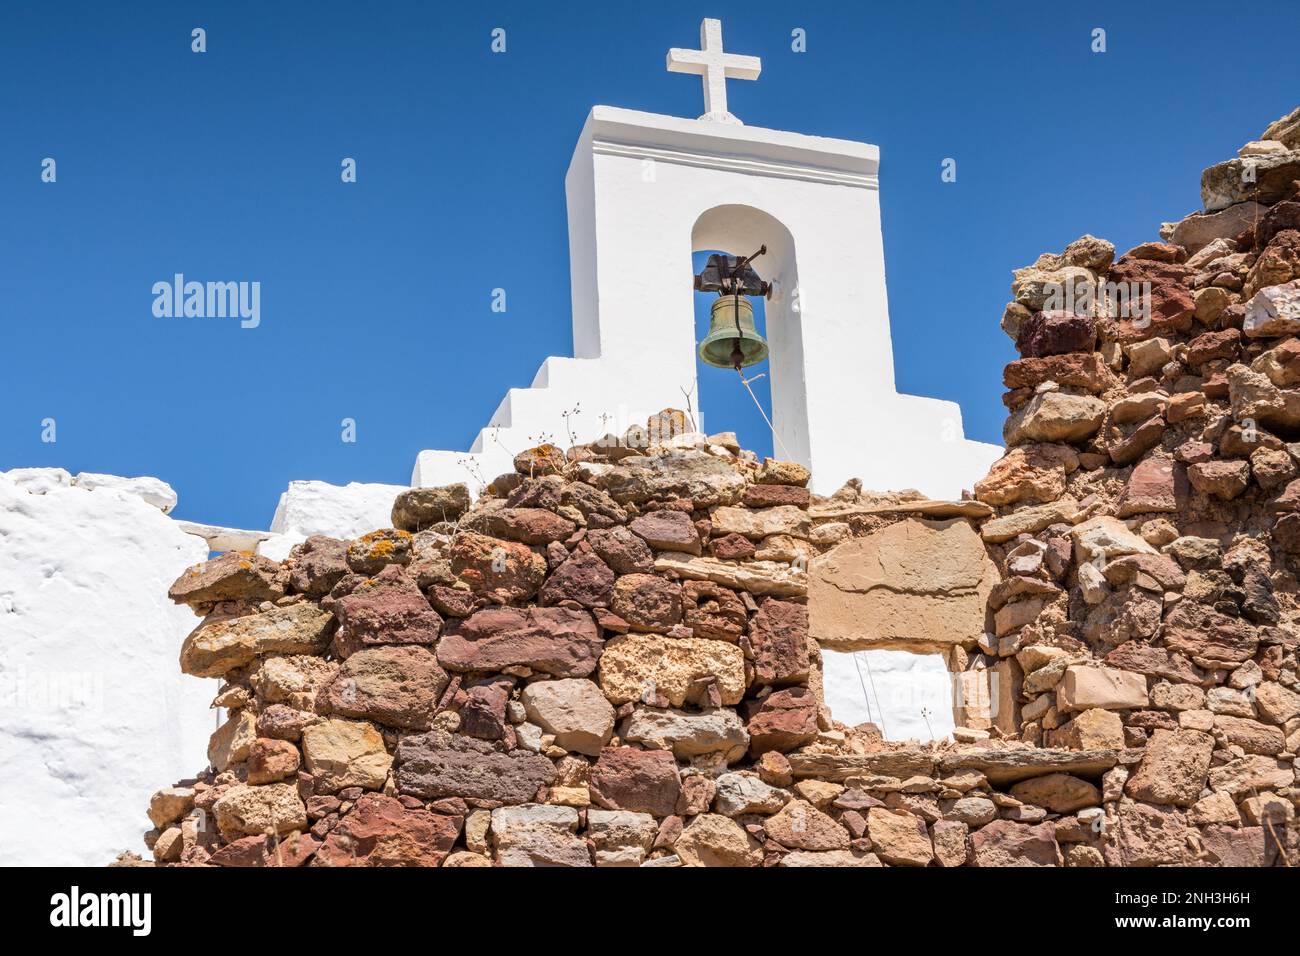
[724, 404]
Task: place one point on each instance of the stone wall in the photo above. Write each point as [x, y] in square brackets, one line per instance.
[613, 657]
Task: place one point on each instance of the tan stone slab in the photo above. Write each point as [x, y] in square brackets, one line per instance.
[1011, 765]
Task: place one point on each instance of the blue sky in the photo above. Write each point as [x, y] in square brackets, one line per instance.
[376, 296]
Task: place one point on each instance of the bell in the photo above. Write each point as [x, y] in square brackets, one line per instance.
[732, 342]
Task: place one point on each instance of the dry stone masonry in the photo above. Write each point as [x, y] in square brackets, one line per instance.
[613, 657]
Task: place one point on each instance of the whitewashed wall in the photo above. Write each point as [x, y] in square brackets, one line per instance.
[95, 714]
[905, 694]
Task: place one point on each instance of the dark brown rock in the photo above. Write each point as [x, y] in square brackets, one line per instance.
[732, 547]
[439, 764]
[647, 602]
[559, 641]
[769, 496]
[1055, 333]
[713, 611]
[318, 564]
[377, 616]
[583, 578]
[667, 531]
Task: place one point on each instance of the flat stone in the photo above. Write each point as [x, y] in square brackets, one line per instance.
[1146, 835]
[913, 583]
[759, 578]
[1015, 764]
[693, 475]
[233, 576]
[216, 648]
[778, 642]
[438, 764]
[687, 735]
[562, 642]
[668, 531]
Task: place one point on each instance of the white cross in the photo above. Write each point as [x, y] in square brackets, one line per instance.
[716, 67]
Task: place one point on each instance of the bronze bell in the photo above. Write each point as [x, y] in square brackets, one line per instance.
[732, 342]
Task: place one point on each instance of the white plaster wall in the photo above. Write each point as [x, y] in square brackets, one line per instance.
[907, 695]
[94, 712]
[340, 511]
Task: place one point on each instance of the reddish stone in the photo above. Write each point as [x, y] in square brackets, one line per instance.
[270, 760]
[483, 714]
[559, 641]
[1084, 370]
[283, 722]
[438, 764]
[621, 550]
[667, 531]
[1005, 843]
[318, 564]
[509, 570]
[1126, 449]
[1055, 333]
[398, 686]
[525, 525]
[732, 547]
[385, 615]
[1171, 304]
[1222, 479]
[713, 611]
[643, 781]
[583, 578]
[1286, 533]
[379, 831]
[778, 641]
[1185, 405]
[647, 601]
[1202, 632]
[246, 851]
[1157, 251]
[1214, 346]
[1216, 386]
[782, 721]
[294, 850]
[452, 602]
[1152, 487]
[770, 496]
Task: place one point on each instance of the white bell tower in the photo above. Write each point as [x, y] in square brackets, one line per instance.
[646, 191]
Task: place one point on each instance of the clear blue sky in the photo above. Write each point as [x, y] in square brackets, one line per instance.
[376, 296]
